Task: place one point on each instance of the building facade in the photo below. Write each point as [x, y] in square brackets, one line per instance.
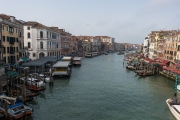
[177, 60]
[171, 46]
[40, 40]
[21, 49]
[9, 39]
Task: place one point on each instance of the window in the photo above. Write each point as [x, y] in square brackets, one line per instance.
[20, 45]
[19, 34]
[3, 38]
[5, 59]
[41, 34]
[17, 49]
[34, 54]
[4, 50]
[29, 35]
[41, 45]
[178, 47]
[47, 34]
[29, 45]
[28, 28]
[7, 49]
[16, 39]
[17, 57]
[7, 38]
[16, 30]
[7, 27]
[3, 27]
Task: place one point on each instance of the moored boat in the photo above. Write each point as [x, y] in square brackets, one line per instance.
[178, 87]
[106, 53]
[14, 110]
[174, 108]
[61, 69]
[77, 61]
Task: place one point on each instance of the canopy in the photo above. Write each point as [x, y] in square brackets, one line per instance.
[25, 59]
[11, 73]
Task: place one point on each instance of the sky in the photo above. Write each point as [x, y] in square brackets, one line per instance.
[128, 21]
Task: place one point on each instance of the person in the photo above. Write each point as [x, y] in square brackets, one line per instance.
[175, 101]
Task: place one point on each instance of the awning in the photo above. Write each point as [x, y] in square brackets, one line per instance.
[25, 59]
[148, 60]
[11, 73]
[160, 60]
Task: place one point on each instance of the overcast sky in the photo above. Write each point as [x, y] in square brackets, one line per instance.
[126, 20]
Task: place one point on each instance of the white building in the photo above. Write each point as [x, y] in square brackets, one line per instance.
[110, 40]
[41, 40]
[146, 46]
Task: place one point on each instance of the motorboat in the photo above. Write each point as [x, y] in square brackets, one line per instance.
[174, 108]
[77, 61]
[130, 67]
[120, 53]
[178, 87]
[47, 79]
[15, 110]
[105, 53]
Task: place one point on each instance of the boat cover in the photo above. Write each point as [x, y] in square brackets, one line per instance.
[15, 105]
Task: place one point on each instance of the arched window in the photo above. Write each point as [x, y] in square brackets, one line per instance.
[29, 45]
[41, 45]
[41, 34]
[29, 35]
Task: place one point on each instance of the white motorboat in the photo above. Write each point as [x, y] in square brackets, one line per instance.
[175, 109]
[178, 87]
[47, 79]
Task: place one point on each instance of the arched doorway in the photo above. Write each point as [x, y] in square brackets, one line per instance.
[41, 55]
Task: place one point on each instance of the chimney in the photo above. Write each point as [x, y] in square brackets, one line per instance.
[12, 18]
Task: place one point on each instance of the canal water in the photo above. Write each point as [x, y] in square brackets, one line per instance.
[103, 89]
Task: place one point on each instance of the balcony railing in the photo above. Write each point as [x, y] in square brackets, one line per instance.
[47, 49]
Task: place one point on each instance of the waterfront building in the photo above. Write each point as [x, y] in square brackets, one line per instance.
[119, 46]
[65, 42]
[40, 40]
[146, 46]
[153, 44]
[171, 46]
[1, 53]
[9, 38]
[74, 45]
[177, 60]
[162, 44]
[96, 44]
[109, 40]
[21, 49]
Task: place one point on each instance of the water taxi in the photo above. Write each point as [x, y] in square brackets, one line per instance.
[67, 59]
[62, 69]
[77, 61]
[94, 54]
[88, 55]
[174, 108]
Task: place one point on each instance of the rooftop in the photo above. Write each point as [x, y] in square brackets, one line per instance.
[41, 61]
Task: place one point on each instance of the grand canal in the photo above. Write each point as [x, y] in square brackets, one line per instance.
[103, 89]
